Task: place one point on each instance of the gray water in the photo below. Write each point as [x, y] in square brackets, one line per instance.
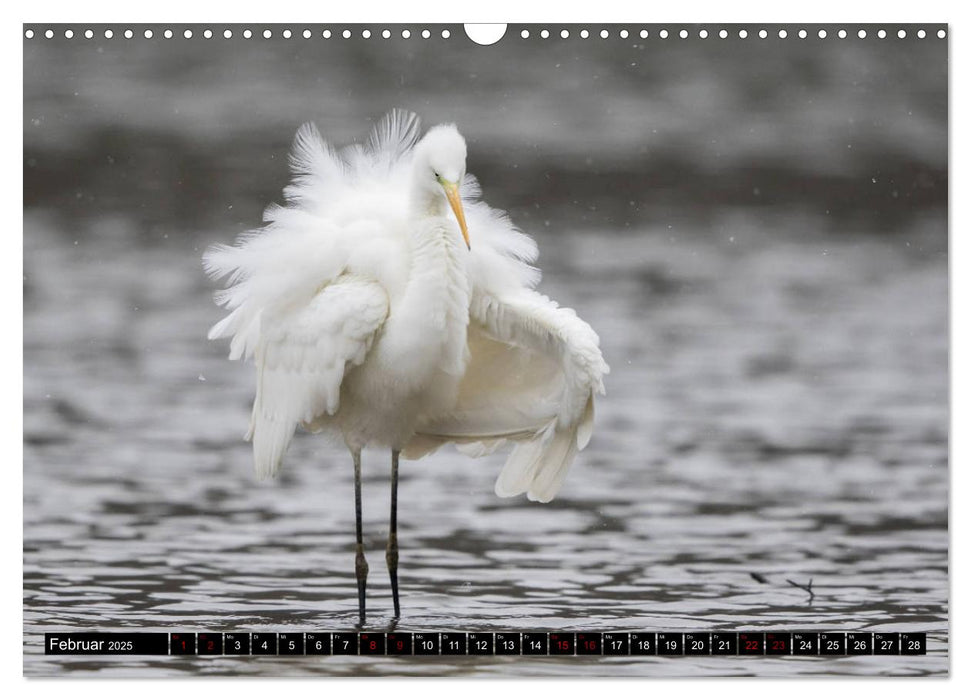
[777, 405]
[762, 417]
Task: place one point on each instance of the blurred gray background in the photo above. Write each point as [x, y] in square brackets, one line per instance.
[756, 228]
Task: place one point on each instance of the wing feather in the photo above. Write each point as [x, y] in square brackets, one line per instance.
[301, 360]
[533, 371]
[275, 267]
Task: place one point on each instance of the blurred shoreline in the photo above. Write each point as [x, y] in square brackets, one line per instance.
[194, 135]
[162, 179]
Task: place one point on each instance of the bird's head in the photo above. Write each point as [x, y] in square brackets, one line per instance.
[440, 168]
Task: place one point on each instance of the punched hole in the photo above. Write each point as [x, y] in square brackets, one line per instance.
[483, 34]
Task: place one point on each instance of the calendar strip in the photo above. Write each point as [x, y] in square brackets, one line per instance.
[506, 643]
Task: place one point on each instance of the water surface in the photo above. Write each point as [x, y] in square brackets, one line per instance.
[775, 407]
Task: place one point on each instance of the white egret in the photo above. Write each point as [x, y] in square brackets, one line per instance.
[385, 305]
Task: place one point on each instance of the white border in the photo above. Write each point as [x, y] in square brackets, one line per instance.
[183, 11]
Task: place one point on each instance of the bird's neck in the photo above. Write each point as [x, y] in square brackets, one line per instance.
[433, 313]
[427, 203]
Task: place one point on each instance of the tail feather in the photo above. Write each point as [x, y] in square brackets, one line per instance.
[539, 466]
[557, 458]
[520, 469]
[585, 428]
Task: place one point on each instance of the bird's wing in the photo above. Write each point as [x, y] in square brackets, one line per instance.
[297, 292]
[342, 213]
[301, 358]
[281, 265]
[532, 374]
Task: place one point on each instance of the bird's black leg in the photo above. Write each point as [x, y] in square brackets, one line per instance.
[392, 554]
[360, 564]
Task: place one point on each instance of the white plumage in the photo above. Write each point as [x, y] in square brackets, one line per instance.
[368, 316]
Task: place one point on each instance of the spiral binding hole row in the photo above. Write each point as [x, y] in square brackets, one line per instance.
[724, 34]
[229, 34]
[446, 34]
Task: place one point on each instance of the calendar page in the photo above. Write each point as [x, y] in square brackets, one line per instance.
[507, 351]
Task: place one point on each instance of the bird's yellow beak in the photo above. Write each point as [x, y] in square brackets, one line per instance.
[455, 199]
